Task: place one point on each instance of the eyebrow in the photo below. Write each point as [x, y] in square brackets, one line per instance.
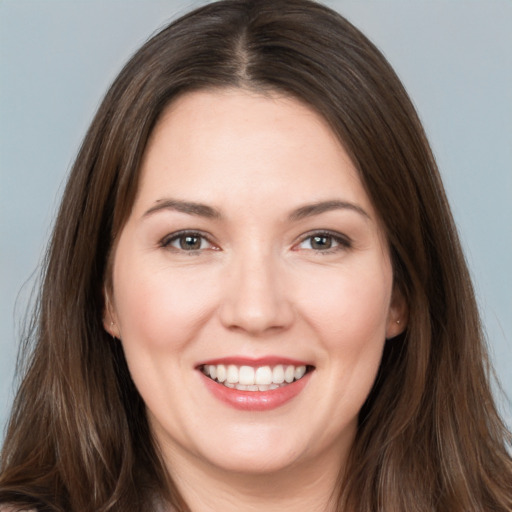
[203, 210]
[310, 210]
[189, 207]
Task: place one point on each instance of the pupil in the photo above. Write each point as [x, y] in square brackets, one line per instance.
[190, 243]
[321, 242]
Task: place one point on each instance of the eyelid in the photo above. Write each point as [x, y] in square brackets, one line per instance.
[166, 241]
[343, 241]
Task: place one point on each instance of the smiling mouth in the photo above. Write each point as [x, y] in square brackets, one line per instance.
[260, 378]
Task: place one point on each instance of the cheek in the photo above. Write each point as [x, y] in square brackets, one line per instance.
[350, 307]
[158, 306]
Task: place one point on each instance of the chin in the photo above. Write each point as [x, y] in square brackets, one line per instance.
[255, 463]
[254, 451]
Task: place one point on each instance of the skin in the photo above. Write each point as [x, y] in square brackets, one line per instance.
[257, 286]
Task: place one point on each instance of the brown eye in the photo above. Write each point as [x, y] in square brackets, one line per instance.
[187, 242]
[321, 242]
[325, 242]
[190, 242]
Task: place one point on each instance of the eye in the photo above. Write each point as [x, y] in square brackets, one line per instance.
[188, 241]
[326, 242]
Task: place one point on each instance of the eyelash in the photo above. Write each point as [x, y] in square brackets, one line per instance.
[341, 241]
[173, 237]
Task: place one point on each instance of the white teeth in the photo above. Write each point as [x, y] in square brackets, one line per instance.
[254, 387]
[299, 372]
[246, 375]
[248, 378]
[221, 372]
[263, 376]
[232, 374]
[289, 374]
[278, 374]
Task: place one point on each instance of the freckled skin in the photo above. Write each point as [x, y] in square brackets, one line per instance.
[258, 285]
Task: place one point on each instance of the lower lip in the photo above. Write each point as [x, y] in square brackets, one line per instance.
[256, 400]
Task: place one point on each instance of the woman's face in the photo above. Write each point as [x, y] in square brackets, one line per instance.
[252, 256]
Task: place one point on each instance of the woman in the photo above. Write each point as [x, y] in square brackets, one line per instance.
[255, 298]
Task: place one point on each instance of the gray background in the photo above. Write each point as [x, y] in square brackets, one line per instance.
[455, 57]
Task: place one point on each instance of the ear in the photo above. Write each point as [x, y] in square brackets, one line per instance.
[398, 314]
[109, 315]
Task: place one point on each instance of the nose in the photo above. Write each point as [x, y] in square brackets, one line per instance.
[256, 300]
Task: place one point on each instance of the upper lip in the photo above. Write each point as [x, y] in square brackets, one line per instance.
[254, 362]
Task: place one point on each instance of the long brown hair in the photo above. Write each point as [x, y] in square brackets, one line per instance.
[429, 436]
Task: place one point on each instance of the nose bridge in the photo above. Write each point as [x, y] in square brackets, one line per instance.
[255, 298]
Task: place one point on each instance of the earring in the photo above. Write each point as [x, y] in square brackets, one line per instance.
[112, 325]
[398, 322]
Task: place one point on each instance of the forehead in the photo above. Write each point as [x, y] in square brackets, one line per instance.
[234, 144]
